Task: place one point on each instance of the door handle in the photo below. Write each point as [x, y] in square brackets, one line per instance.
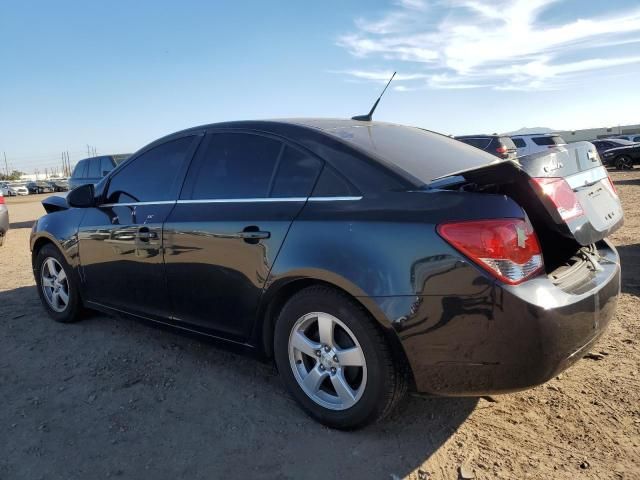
[144, 234]
[256, 235]
[253, 234]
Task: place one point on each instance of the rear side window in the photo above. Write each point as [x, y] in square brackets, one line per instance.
[332, 184]
[636, 139]
[234, 165]
[81, 169]
[519, 142]
[297, 172]
[152, 176]
[545, 141]
[94, 168]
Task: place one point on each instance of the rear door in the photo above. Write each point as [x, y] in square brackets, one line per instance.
[121, 239]
[240, 196]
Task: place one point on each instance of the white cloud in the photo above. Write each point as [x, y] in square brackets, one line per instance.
[502, 44]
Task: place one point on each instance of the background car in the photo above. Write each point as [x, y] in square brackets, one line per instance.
[500, 146]
[59, 184]
[6, 191]
[534, 143]
[635, 137]
[39, 187]
[618, 152]
[364, 261]
[4, 219]
[92, 170]
[19, 188]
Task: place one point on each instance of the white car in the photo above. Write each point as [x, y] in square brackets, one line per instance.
[19, 189]
[534, 143]
[5, 190]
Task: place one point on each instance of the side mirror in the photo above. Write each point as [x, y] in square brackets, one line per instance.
[82, 196]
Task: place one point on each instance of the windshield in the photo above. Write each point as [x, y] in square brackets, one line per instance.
[423, 154]
[621, 141]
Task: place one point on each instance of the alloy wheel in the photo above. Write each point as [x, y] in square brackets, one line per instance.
[55, 284]
[327, 361]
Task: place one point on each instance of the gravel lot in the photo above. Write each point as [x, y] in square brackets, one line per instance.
[112, 397]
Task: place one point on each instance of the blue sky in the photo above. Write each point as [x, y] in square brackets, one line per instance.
[117, 75]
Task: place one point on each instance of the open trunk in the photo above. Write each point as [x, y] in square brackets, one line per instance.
[567, 195]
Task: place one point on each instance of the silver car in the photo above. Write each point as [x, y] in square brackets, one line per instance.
[4, 219]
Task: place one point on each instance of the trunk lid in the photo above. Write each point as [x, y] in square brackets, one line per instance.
[578, 164]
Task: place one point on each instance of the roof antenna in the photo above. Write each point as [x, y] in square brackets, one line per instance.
[369, 116]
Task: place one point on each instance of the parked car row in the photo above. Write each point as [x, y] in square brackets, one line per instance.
[12, 189]
[621, 152]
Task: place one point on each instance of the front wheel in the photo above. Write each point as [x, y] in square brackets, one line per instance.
[624, 163]
[57, 288]
[334, 360]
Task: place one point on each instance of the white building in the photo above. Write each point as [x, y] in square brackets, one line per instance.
[594, 133]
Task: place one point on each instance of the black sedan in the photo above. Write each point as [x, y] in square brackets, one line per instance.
[365, 258]
[618, 152]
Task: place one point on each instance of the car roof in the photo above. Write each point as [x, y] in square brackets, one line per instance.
[536, 135]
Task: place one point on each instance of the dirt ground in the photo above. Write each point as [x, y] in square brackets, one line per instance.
[112, 397]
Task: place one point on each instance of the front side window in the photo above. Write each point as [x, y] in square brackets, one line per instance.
[234, 165]
[519, 142]
[152, 176]
[106, 165]
[81, 169]
[94, 168]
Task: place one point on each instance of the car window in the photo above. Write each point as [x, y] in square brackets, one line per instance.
[150, 177]
[94, 168]
[481, 143]
[297, 172]
[548, 140]
[636, 139]
[81, 169]
[507, 142]
[234, 165]
[332, 184]
[519, 142]
[106, 165]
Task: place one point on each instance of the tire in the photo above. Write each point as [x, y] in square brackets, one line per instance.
[624, 163]
[375, 387]
[48, 261]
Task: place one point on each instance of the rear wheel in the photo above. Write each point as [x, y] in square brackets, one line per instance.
[334, 360]
[57, 288]
[624, 163]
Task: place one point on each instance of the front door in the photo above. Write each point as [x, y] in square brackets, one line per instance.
[241, 194]
[120, 240]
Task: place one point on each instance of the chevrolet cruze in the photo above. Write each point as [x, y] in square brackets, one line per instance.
[364, 258]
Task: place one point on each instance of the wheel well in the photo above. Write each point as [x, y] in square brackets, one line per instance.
[40, 242]
[270, 312]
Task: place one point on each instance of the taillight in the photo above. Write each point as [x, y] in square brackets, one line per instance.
[501, 149]
[1, 199]
[507, 248]
[558, 191]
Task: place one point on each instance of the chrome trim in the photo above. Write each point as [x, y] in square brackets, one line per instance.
[244, 200]
[135, 204]
[234, 200]
[334, 199]
[587, 177]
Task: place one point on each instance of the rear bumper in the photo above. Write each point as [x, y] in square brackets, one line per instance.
[501, 339]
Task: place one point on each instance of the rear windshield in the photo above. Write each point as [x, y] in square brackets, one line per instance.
[549, 140]
[423, 154]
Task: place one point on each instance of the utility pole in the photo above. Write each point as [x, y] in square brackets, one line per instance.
[6, 167]
[88, 151]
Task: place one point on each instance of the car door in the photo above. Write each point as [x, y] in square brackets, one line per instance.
[120, 240]
[240, 196]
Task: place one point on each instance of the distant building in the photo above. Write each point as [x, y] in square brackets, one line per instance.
[594, 133]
